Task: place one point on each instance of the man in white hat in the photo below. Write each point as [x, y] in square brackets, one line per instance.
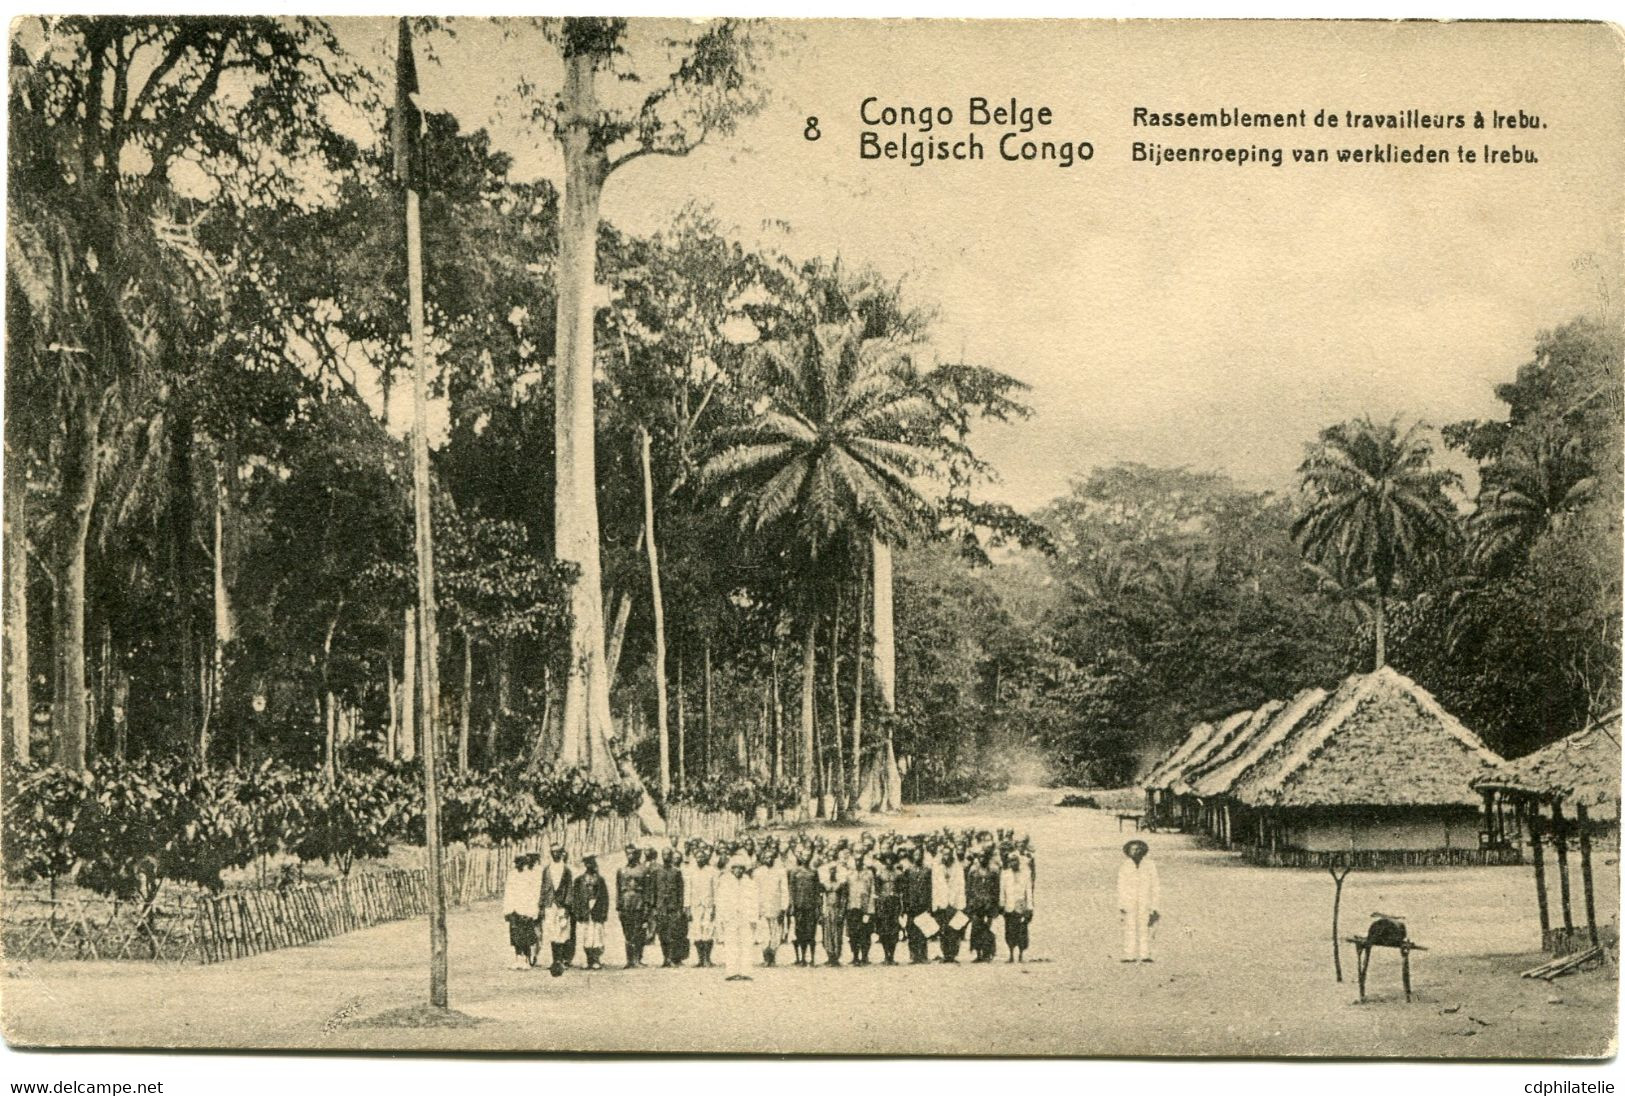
[1138, 892]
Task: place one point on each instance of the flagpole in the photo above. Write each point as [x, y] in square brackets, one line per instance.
[428, 647]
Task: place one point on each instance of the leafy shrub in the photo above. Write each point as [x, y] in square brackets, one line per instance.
[352, 817]
[42, 806]
[124, 828]
[739, 794]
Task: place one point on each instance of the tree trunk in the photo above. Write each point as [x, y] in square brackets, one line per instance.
[837, 786]
[121, 709]
[225, 623]
[205, 686]
[682, 720]
[809, 748]
[181, 523]
[885, 636]
[409, 687]
[885, 670]
[76, 495]
[429, 680]
[657, 604]
[330, 765]
[392, 728]
[465, 710]
[777, 770]
[19, 721]
[102, 688]
[705, 707]
[1381, 620]
[857, 701]
[586, 719]
[493, 729]
[617, 633]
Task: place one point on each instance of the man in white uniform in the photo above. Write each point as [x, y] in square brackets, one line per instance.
[699, 897]
[773, 903]
[737, 909]
[1138, 892]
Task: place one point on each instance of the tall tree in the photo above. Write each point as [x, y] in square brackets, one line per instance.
[818, 472]
[705, 93]
[103, 107]
[1376, 507]
[1532, 486]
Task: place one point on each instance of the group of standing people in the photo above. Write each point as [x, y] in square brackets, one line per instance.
[755, 895]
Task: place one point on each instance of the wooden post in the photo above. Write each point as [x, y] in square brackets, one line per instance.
[428, 678]
[1560, 838]
[1337, 903]
[1532, 819]
[1585, 871]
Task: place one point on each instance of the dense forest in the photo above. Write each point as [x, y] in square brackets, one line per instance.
[807, 582]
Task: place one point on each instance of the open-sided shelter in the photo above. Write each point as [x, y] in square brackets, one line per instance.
[1565, 795]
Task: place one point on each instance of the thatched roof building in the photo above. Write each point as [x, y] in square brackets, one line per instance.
[1563, 795]
[1581, 770]
[1381, 741]
[1229, 735]
[1261, 737]
[1192, 742]
[1374, 773]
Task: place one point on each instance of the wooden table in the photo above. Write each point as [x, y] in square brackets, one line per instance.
[1362, 952]
[1129, 816]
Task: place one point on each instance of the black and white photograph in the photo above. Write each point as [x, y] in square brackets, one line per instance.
[1013, 538]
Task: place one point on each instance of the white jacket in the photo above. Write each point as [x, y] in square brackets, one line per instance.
[699, 886]
[1138, 889]
[772, 889]
[523, 893]
[948, 886]
[736, 901]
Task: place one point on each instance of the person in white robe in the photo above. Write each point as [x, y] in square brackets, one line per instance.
[738, 907]
[699, 899]
[948, 902]
[1016, 904]
[1138, 893]
[772, 904]
[521, 907]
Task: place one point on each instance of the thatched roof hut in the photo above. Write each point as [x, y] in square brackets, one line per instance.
[1562, 794]
[1375, 773]
[1283, 718]
[1231, 735]
[1193, 741]
[1381, 741]
[1581, 770]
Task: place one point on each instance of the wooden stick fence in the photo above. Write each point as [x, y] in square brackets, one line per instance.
[249, 922]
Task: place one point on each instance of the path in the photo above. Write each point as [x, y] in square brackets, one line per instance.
[1243, 968]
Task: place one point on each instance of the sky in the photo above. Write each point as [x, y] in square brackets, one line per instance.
[1215, 316]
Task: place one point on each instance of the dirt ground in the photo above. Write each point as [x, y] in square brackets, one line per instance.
[1243, 968]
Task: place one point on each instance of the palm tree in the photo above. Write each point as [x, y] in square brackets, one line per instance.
[821, 469]
[1530, 488]
[1353, 597]
[1375, 507]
